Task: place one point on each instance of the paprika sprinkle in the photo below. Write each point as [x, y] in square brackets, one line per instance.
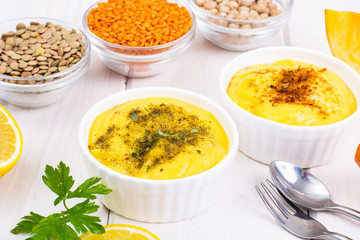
[139, 23]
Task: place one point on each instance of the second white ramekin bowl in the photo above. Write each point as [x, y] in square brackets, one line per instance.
[265, 140]
[159, 200]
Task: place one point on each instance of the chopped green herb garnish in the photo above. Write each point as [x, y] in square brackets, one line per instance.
[134, 116]
[198, 151]
[194, 130]
[148, 142]
[148, 167]
[161, 134]
[153, 115]
[182, 135]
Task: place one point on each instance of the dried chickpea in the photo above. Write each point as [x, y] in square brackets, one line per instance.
[272, 6]
[240, 17]
[210, 5]
[274, 12]
[214, 11]
[233, 5]
[224, 9]
[230, 16]
[260, 7]
[222, 14]
[252, 6]
[234, 26]
[224, 2]
[234, 12]
[246, 3]
[244, 13]
[199, 2]
[244, 8]
[254, 13]
[245, 26]
[222, 23]
[262, 2]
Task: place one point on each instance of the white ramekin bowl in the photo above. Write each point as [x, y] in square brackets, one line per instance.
[159, 200]
[265, 140]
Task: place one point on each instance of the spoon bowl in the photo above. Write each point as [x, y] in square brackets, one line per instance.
[304, 189]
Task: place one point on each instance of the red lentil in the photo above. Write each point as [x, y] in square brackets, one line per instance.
[139, 23]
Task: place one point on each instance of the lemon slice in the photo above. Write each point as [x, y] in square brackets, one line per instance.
[10, 142]
[343, 34]
[121, 232]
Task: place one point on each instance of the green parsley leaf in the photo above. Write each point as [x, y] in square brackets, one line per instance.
[59, 226]
[88, 190]
[67, 232]
[58, 180]
[27, 224]
[134, 116]
[78, 217]
[48, 227]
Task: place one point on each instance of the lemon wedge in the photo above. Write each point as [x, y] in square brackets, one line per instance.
[121, 232]
[10, 142]
[343, 34]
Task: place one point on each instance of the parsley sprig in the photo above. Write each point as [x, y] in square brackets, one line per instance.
[60, 226]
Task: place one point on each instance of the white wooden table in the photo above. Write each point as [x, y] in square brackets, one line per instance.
[50, 135]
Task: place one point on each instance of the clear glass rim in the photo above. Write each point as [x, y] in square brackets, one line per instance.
[55, 75]
[158, 47]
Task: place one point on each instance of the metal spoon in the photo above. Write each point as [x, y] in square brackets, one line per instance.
[304, 189]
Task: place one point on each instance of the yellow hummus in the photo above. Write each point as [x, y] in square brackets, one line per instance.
[158, 138]
[292, 92]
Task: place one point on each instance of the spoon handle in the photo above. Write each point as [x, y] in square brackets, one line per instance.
[345, 210]
[334, 236]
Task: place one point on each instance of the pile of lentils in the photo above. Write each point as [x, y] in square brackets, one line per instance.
[139, 23]
[239, 10]
[39, 50]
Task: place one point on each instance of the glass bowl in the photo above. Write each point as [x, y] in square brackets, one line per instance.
[44, 90]
[215, 28]
[139, 61]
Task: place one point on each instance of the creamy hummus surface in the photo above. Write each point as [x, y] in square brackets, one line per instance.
[158, 138]
[292, 92]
